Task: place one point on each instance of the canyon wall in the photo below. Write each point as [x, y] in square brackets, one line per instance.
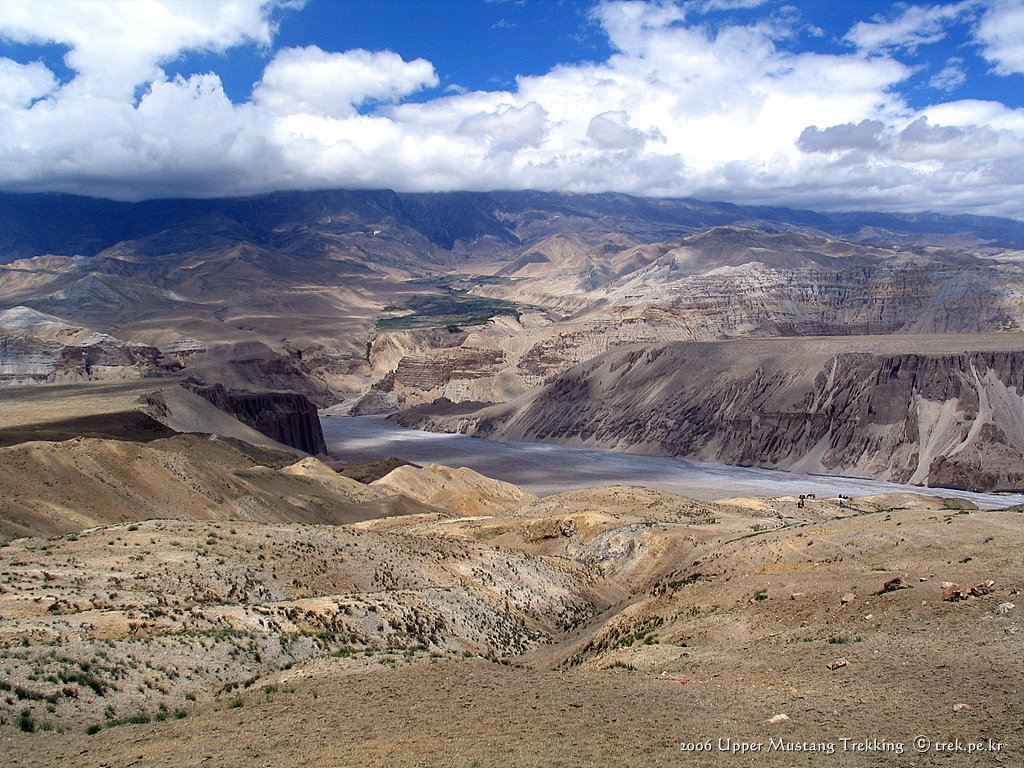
[666, 302]
[928, 410]
[286, 417]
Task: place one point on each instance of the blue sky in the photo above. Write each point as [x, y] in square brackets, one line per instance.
[485, 45]
[828, 105]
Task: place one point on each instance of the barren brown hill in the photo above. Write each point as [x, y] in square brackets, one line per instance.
[628, 624]
[136, 410]
[60, 487]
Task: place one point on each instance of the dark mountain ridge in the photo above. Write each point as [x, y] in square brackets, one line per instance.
[36, 224]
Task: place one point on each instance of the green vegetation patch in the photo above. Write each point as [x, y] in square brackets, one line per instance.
[455, 310]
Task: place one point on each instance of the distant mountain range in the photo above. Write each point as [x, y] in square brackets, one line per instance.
[36, 224]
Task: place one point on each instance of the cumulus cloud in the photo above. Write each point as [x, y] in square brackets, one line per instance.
[507, 128]
[865, 135]
[679, 109]
[21, 84]
[611, 130]
[115, 45]
[1001, 33]
[315, 82]
[968, 158]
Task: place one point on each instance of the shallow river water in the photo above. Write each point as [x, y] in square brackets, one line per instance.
[544, 469]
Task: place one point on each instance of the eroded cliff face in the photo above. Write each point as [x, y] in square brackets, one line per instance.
[37, 348]
[460, 374]
[672, 299]
[286, 417]
[908, 409]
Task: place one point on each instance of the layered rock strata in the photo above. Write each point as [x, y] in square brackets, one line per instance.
[918, 410]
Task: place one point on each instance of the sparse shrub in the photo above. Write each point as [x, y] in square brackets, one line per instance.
[83, 677]
[25, 721]
[622, 665]
[140, 719]
[843, 640]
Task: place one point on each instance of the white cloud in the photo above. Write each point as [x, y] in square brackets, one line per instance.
[708, 6]
[950, 77]
[914, 26]
[611, 130]
[1001, 33]
[116, 45]
[315, 82]
[865, 135]
[679, 109]
[21, 84]
[184, 138]
[507, 128]
[630, 22]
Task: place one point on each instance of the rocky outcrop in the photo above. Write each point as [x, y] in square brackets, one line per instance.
[452, 373]
[908, 409]
[286, 417]
[899, 295]
[35, 347]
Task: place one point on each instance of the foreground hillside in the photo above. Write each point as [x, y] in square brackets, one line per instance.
[600, 627]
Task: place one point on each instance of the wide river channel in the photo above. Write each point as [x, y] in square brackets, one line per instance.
[544, 468]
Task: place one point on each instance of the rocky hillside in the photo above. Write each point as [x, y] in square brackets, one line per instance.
[505, 358]
[939, 410]
[177, 642]
[36, 348]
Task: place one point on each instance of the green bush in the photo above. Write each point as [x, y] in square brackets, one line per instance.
[25, 721]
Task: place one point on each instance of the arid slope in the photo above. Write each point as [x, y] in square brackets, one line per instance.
[628, 622]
